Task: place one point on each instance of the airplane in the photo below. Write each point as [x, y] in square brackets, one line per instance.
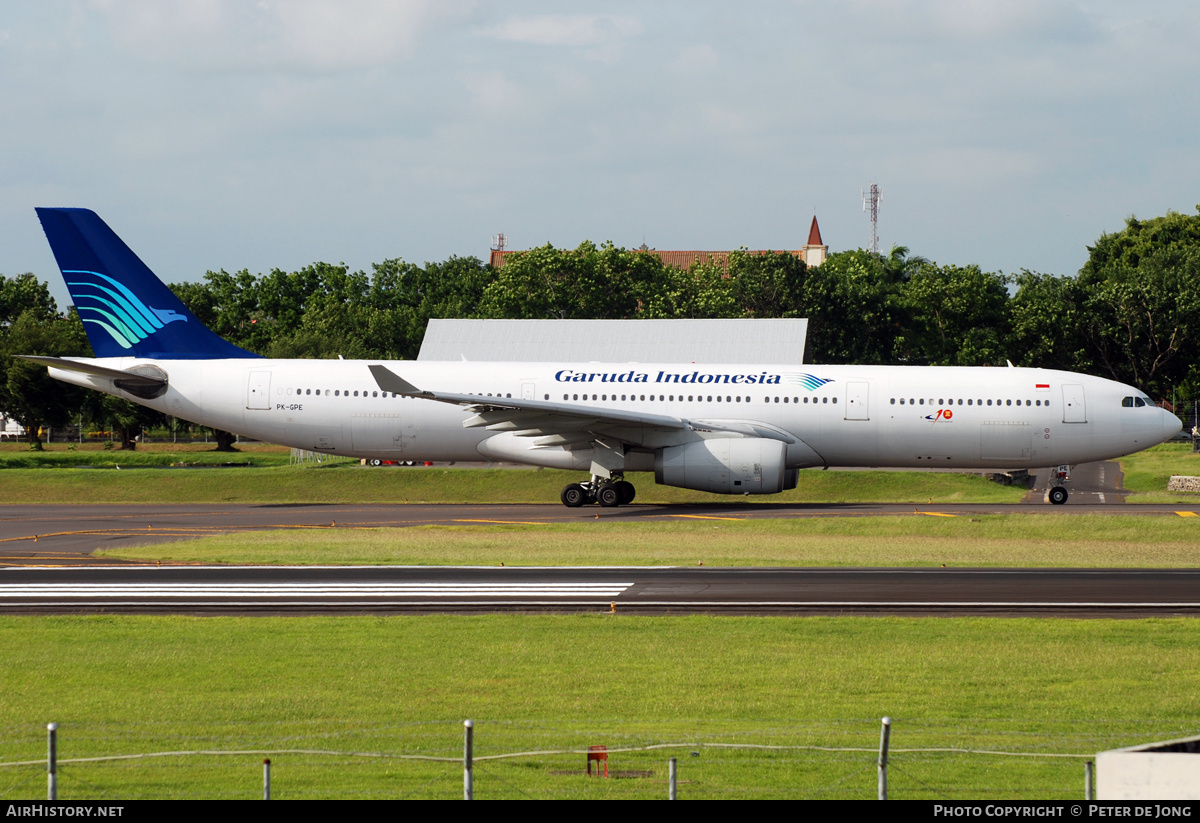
[727, 429]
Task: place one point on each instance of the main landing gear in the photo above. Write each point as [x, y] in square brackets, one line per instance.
[607, 492]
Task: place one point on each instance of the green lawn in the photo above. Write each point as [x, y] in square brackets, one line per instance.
[1046, 540]
[150, 455]
[365, 690]
[1146, 473]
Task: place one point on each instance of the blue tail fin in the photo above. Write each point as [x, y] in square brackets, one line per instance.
[126, 310]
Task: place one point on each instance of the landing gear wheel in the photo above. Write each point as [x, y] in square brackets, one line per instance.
[573, 496]
[626, 491]
[608, 496]
[1058, 495]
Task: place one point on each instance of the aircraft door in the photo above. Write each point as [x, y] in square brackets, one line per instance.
[528, 391]
[258, 390]
[856, 401]
[1074, 410]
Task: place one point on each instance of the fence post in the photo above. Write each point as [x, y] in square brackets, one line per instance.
[52, 762]
[1089, 780]
[267, 779]
[673, 772]
[884, 734]
[468, 744]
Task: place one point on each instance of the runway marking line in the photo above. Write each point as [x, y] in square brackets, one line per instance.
[183, 531]
[937, 514]
[705, 517]
[507, 522]
[1187, 514]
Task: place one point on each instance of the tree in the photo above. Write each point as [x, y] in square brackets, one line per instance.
[1046, 322]
[1141, 303]
[767, 284]
[850, 302]
[956, 316]
[27, 392]
[603, 282]
[702, 291]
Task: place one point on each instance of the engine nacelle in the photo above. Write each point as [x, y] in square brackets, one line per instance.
[727, 465]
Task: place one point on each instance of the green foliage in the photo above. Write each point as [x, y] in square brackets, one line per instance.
[1141, 308]
[1046, 322]
[852, 309]
[27, 392]
[956, 317]
[701, 292]
[602, 282]
[25, 293]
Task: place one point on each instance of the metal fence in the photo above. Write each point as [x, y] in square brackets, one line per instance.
[448, 760]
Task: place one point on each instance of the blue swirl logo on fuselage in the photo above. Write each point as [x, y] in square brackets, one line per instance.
[808, 381]
[117, 310]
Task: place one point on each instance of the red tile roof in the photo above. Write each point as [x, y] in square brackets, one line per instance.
[676, 259]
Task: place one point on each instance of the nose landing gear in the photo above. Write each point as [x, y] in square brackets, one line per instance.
[605, 491]
[1058, 493]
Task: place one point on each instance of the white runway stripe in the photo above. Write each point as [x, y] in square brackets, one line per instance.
[282, 590]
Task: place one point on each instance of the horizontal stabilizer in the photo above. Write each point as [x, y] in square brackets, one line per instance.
[146, 381]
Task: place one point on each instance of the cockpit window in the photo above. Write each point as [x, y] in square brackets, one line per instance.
[1127, 402]
[1138, 402]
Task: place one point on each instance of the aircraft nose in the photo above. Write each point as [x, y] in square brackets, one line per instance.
[1171, 425]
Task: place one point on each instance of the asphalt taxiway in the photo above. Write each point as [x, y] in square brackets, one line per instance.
[60, 534]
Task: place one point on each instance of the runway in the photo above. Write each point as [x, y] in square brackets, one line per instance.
[391, 589]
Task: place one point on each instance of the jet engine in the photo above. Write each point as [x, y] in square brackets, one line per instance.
[727, 465]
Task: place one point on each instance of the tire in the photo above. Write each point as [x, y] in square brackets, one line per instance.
[573, 496]
[608, 496]
[376, 462]
[1058, 495]
[626, 490]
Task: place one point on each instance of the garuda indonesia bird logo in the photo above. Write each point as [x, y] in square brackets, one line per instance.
[808, 381]
[117, 310]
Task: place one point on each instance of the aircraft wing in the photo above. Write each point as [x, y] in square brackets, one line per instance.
[563, 423]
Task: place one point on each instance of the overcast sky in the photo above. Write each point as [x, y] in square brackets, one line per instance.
[216, 134]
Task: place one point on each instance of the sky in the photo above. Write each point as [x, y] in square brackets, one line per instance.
[213, 134]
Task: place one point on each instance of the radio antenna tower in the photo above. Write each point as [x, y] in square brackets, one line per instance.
[871, 198]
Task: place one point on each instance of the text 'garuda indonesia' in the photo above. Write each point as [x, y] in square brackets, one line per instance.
[763, 378]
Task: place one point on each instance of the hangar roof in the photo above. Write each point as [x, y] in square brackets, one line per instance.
[770, 341]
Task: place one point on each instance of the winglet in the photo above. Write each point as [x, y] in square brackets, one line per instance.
[389, 381]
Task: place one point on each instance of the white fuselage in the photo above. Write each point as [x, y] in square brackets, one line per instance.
[920, 417]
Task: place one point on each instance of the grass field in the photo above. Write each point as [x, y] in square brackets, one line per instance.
[1127, 541]
[149, 455]
[402, 685]
[1146, 473]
